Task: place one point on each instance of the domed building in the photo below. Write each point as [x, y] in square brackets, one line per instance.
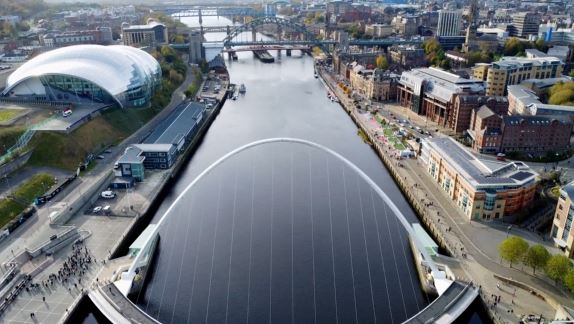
[87, 74]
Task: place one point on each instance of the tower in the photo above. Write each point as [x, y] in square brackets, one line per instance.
[472, 25]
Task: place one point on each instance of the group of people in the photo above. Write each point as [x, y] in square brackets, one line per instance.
[71, 271]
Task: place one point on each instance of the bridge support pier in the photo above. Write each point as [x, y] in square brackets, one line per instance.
[288, 52]
[253, 35]
[279, 53]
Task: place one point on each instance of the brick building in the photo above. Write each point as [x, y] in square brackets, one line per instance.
[407, 55]
[482, 189]
[432, 92]
[492, 133]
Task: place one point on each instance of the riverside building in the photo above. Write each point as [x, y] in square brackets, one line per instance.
[483, 190]
[432, 92]
[562, 233]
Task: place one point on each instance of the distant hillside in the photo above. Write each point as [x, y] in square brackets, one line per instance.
[24, 8]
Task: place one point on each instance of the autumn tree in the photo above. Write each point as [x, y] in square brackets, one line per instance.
[557, 267]
[513, 249]
[569, 280]
[381, 62]
[536, 257]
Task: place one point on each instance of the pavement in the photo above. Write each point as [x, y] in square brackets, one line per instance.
[477, 241]
[106, 232]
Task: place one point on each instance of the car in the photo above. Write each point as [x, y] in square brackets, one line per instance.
[67, 112]
[97, 209]
[106, 209]
[108, 151]
[108, 194]
[501, 157]
[100, 157]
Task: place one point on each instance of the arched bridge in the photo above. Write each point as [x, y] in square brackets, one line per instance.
[142, 258]
[280, 23]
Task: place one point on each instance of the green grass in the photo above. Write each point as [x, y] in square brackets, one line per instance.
[66, 151]
[9, 136]
[34, 187]
[7, 114]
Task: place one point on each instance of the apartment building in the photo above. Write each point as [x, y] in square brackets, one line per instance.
[513, 70]
[562, 233]
[482, 189]
[149, 35]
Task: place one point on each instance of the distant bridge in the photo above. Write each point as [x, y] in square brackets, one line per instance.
[302, 36]
[268, 48]
[179, 11]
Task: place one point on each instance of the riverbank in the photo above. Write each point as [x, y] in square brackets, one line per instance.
[441, 220]
[147, 213]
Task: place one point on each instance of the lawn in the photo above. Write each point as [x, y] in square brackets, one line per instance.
[9, 136]
[66, 151]
[24, 196]
[7, 114]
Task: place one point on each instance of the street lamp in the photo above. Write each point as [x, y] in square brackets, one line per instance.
[508, 230]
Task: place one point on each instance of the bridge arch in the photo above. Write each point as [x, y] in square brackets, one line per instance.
[255, 23]
[131, 273]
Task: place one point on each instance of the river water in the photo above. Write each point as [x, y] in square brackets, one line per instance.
[282, 232]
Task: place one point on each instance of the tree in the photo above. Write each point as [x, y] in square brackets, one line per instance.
[179, 39]
[168, 53]
[515, 46]
[512, 249]
[571, 74]
[562, 93]
[536, 257]
[557, 267]
[569, 280]
[381, 62]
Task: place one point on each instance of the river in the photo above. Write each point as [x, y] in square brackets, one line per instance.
[282, 233]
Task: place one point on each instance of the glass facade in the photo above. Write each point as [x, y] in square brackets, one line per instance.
[56, 84]
[106, 74]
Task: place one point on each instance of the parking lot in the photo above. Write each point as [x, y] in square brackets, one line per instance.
[133, 201]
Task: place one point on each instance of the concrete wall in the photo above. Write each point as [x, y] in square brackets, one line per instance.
[13, 165]
[90, 196]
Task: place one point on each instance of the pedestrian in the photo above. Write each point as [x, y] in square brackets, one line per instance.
[44, 298]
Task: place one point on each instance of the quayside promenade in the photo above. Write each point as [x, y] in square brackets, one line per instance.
[472, 243]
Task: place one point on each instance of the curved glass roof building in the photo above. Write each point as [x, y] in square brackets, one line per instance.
[87, 73]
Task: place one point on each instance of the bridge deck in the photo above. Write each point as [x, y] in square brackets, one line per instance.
[448, 306]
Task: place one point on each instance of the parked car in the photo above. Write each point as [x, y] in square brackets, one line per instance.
[501, 157]
[97, 209]
[100, 157]
[108, 194]
[106, 209]
[67, 112]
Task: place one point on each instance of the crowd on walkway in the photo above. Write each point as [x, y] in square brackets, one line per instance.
[69, 274]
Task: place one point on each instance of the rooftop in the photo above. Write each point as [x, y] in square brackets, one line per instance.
[439, 83]
[569, 190]
[511, 62]
[536, 120]
[481, 174]
[132, 155]
[529, 99]
[179, 123]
